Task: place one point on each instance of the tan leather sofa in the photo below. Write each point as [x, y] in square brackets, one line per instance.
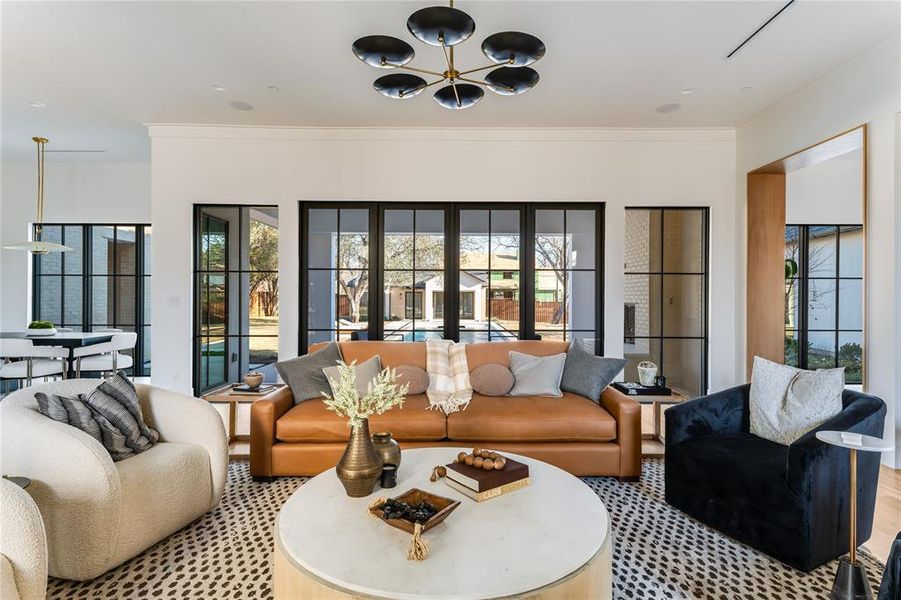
[572, 432]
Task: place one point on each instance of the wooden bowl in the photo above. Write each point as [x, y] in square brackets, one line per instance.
[444, 505]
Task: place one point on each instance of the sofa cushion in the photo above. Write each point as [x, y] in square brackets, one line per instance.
[492, 379]
[312, 422]
[571, 418]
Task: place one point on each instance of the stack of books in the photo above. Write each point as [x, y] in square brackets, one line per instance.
[481, 485]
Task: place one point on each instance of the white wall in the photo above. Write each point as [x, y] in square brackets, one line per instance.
[826, 193]
[84, 192]
[200, 164]
[865, 90]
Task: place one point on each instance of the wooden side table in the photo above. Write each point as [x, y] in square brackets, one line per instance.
[224, 395]
[655, 447]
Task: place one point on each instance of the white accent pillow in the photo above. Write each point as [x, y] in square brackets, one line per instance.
[536, 375]
[786, 402]
[363, 374]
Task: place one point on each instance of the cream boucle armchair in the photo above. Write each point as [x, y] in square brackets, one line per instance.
[23, 546]
[99, 513]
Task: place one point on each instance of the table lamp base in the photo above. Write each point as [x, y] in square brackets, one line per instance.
[851, 581]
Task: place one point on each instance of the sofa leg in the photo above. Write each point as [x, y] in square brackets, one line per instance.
[263, 479]
[632, 479]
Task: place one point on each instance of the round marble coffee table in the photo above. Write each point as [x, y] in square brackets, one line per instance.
[549, 540]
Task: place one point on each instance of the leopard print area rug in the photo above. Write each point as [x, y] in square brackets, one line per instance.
[658, 553]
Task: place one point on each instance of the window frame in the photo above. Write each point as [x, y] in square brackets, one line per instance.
[705, 253]
[803, 329]
[452, 301]
[228, 272]
[87, 275]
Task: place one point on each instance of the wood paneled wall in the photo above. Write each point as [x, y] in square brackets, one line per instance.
[766, 267]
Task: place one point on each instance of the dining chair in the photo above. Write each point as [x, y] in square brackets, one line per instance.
[22, 360]
[106, 357]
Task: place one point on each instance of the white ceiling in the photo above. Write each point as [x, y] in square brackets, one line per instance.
[105, 68]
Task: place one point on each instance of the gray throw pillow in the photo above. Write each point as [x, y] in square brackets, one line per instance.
[111, 414]
[586, 374]
[304, 374]
[536, 375]
[363, 374]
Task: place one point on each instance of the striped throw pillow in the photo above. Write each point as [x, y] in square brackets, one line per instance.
[111, 414]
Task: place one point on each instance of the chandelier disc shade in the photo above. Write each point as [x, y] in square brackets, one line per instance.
[441, 25]
[513, 48]
[383, 51]
[445, 27]
[465, 95]
[511, 81]
[399, 85]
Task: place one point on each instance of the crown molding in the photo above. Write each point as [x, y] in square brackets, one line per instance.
[467, 134]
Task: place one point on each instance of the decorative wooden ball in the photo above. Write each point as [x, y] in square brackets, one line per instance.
[476, 451]
[477, 462]
[500, 463]
[494, 455]
[488, 464]
[442, 471]
[469, 459]
[461, 457]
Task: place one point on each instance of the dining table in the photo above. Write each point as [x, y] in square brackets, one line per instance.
[66, 339]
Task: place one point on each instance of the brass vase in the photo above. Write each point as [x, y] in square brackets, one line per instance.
[387, 447]
[361, 466]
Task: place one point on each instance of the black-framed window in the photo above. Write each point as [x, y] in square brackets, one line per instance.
[666, 295]
[824, 298]
[235, 293]
[102, 283]
[420, 250]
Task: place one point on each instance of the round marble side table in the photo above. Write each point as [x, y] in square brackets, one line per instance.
[550, 540]
[851, 581]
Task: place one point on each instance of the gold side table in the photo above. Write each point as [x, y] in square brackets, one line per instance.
[225, 395]
[851, 581]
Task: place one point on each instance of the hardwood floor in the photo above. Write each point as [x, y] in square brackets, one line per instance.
[887, 522]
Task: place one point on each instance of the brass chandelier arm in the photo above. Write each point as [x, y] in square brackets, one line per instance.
[422, 87]
[509, 62]
[426, 71]
[485, 83]
[450, 70]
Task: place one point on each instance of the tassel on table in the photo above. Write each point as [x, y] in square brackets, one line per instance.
[419, 548]
[375, 504]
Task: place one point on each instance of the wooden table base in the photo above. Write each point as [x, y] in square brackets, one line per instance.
[594, 580]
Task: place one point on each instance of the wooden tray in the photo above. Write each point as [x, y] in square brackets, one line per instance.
[444, 505]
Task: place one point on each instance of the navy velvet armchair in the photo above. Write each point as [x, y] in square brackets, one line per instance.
[790, 502]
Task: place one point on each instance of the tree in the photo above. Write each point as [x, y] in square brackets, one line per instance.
[264, 262]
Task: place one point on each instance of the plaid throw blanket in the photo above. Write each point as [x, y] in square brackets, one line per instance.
[449, 387]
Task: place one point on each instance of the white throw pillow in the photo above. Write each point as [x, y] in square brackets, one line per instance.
[787, 402]
[536, 375]
[363, 374]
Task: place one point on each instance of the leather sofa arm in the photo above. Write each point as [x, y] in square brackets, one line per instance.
[263, 415]
[627, 413]
[715, 414]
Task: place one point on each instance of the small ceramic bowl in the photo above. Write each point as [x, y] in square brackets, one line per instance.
[253, 380]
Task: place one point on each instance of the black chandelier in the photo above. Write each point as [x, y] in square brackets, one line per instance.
[446, 26]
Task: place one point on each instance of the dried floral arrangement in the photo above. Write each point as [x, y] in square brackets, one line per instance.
[382, 394]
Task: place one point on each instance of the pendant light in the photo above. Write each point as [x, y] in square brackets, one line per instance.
[38, 246]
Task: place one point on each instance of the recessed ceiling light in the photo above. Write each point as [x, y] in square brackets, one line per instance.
[668, 107]
[688, 91]
[746, 89]
[272, 88]
[240, 105]
[36, 104]
[218, 87]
